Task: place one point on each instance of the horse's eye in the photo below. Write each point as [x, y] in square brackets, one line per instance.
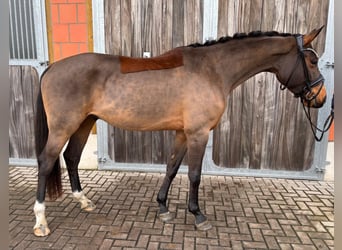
[314, 61]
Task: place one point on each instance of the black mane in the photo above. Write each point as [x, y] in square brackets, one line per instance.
[238, 36]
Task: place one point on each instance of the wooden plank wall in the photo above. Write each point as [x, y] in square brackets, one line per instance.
[264, 127]
[23, 92]
[135, 26]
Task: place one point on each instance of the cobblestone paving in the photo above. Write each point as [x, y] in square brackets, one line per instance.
[246, 213]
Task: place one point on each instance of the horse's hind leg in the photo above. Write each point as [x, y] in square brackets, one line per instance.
[72, 156]
[48, 162]
[172, 169]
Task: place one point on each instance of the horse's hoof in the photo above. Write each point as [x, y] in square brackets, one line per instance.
[89, 207]
[42, 230]
[165, 217]
[203, 226]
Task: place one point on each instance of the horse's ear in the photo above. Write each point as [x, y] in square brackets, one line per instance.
[308, 38]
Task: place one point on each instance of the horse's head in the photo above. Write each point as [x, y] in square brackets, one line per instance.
[300, 73]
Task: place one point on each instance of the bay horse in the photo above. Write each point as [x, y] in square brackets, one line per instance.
[183, 90]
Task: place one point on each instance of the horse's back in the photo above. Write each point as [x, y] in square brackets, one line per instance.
[83, 65]
[78, 75]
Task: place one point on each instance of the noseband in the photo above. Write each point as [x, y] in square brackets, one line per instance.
[306, 93]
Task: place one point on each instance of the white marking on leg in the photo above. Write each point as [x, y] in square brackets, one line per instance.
[39, 211]
[86, 204]
[41, 227]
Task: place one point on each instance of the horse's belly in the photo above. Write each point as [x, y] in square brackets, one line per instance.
[140, 124]
[142, 119]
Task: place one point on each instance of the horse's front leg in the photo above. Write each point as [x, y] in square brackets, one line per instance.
[172, 169]
[196, 148]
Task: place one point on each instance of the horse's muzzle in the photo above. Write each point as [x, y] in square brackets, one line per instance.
[316, 97]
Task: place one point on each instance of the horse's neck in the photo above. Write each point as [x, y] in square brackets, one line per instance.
[245, 58]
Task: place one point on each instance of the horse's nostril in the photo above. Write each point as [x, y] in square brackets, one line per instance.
[318, 105]
[324, 99]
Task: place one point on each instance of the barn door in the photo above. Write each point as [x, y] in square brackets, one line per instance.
[263, 127]
[28, 58]
[263, 132]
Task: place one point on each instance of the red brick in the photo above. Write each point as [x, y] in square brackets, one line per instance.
[58, 1]
[60, 33]
[81, 13]
[69, 49]
[54, 13]
[67, 13]
[77, 1]
[83, 47]
[57, 51]
[78, 33]
[332, 132]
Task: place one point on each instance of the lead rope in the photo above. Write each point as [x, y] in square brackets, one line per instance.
[327, 123]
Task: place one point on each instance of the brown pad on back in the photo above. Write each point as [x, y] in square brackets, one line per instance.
[168, 60]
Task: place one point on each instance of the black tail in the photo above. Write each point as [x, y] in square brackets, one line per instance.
[53, 182]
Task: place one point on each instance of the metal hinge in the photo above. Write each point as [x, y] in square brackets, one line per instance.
[102, 160]
[330, 64]
[45, 63]
[320, 170]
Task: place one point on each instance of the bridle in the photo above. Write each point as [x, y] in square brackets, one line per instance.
[306, 93]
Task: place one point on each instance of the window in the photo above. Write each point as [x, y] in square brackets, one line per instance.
[22, 32]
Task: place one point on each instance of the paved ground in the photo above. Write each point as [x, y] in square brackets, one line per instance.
[246, 213]
[89, 157]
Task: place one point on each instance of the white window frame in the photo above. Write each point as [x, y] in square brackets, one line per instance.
[39, 17]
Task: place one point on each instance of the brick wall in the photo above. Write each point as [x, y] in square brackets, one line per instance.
[70, 28]
[331, 133]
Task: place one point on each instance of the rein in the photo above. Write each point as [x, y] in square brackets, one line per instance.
[307, 90]
[327, 123]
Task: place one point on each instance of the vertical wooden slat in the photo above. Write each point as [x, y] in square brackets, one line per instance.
[126, 28]
[136, 28]
[222, 26]
[23, 90]
[112, 24]
[192, 21]
[147, 29]
[167, 14]
[178, 23]
[156, 40]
